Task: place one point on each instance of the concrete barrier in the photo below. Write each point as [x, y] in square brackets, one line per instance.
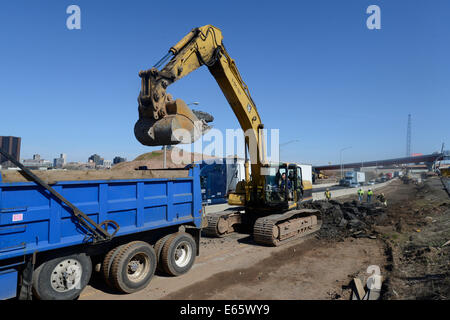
[316, 196]
[349, 191]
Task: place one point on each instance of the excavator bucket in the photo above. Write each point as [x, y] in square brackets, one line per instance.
[178, 125]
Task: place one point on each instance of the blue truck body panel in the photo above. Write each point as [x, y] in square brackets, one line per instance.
[8, 284]
[32, 220]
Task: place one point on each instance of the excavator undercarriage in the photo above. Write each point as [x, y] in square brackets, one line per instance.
[271, 230]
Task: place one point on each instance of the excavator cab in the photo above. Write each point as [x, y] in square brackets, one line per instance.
[283, 185]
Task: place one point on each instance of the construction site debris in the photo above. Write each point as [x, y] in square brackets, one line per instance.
[350, 218]
[358, 290]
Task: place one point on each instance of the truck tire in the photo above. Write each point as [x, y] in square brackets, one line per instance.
[62, 278]
[178, 254]
[133, 267]
[106, 265]
[158, 248]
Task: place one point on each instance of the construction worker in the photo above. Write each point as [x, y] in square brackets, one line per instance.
[283, 182]
[360, 195]
[369, 195]
[327, 194]
[382, 199]
[283, 186]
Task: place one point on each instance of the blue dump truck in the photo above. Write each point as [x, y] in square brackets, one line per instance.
[56, 227]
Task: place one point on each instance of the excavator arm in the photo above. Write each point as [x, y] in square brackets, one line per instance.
[160, 116]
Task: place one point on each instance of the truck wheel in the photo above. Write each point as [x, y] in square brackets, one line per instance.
[106, 265]
[133, 267]
[158, 248]
[178, 254]
[62, 278]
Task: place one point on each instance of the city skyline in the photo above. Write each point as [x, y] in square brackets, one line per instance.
[38, 156]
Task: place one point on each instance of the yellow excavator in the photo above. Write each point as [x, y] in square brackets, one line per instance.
[271, 197]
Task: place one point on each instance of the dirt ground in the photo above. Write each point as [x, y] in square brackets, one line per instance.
[407, 248]
[416, 236]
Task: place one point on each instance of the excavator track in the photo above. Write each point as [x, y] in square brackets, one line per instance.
[221, 224]
[277, 229]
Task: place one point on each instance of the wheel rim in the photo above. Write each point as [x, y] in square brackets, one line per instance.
[138, 267]
[183, 254]
[66, 275]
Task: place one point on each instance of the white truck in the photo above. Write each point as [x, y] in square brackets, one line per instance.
[306, 172]
[354, 179]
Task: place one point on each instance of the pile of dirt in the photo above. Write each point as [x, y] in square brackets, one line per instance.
[54, 176]
[175, 158]
[350, 218]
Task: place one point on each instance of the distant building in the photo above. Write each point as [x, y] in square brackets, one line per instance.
[117, 160]
[36, 163]
[79, 165]
[96, 159]
[61, 161]
[107, 164]
[90, 164]
[12, 146]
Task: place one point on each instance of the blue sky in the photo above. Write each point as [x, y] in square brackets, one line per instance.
[313, 68]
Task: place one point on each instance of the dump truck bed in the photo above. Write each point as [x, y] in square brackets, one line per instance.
[32, 220]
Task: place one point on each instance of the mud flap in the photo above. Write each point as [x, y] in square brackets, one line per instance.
[196, 234]
[27, 279]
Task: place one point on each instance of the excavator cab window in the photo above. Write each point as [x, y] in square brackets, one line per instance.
[299, 184]
[274, 190]
[281, 171]
[291, 182]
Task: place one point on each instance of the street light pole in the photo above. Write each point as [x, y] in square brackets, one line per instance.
[164, 162]
[286, 143]
[281, 145]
